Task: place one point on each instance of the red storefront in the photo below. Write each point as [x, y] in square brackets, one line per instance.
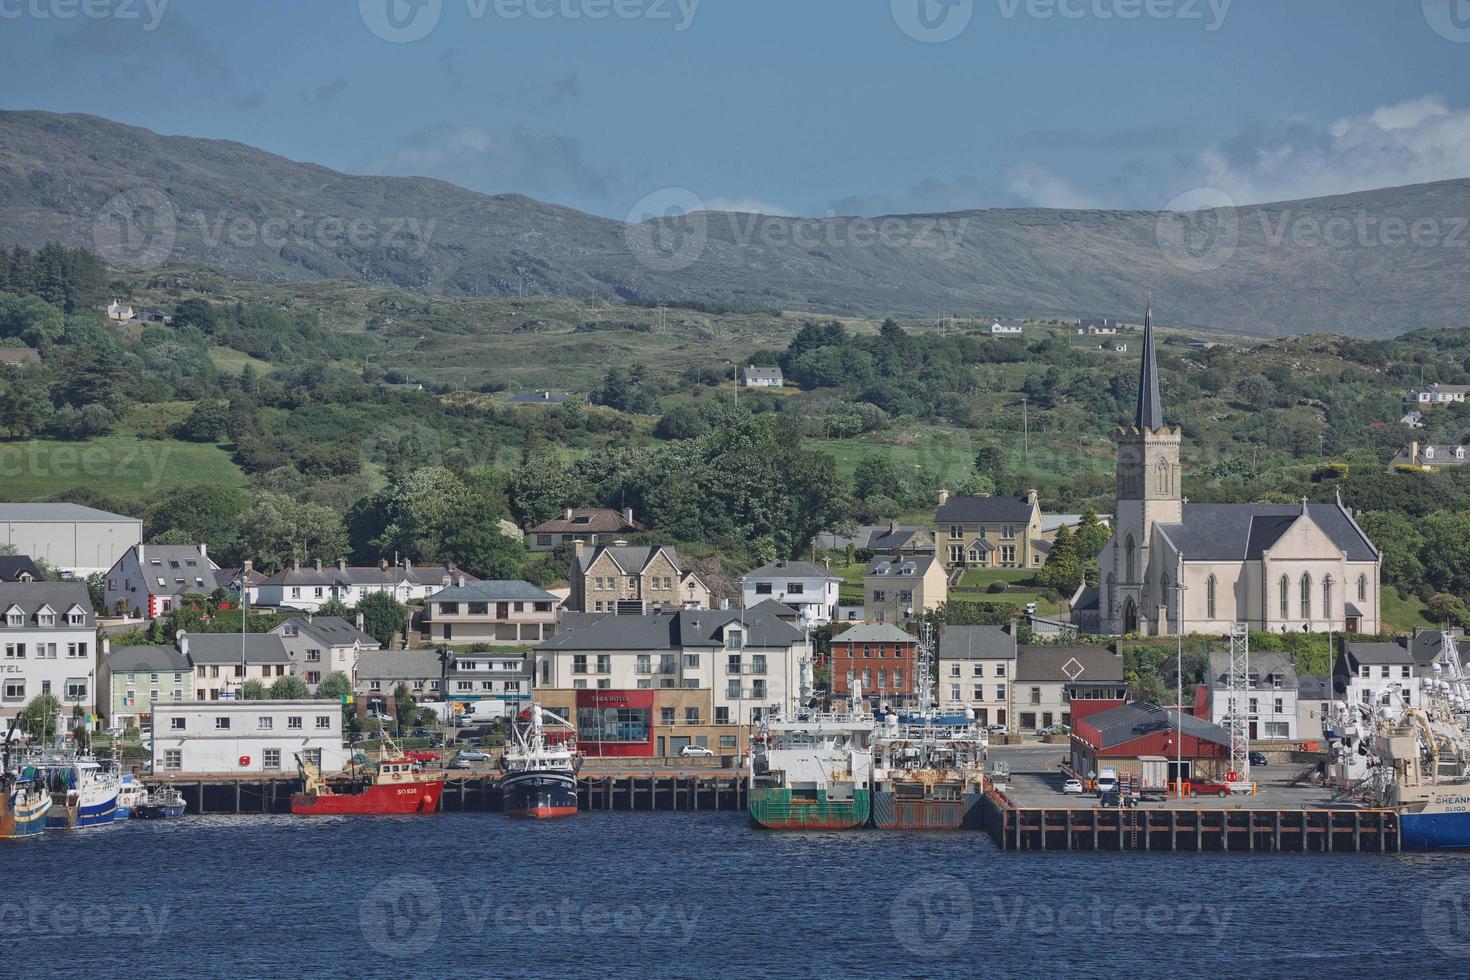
[615, 724]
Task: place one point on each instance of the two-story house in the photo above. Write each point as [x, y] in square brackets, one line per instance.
[224, 662]
[1429, 457]
[1049, 676]
[977, 665]
[134, 680]
[47, 642]
[989, 532]
[649, 685]
[1271, 701]
[632, 579]
[309, 587]
[320, 645]
[502, 612]
[380, 672]
[880, 656]
[899, 588]
[1377, 674]
[589, 525]
[809, 589]
[147, 581]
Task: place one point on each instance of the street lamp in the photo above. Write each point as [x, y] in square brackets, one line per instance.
[1179, 590]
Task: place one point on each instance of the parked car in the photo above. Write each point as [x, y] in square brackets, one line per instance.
[1258, 759]
[692, 751]
[420, 755]
[996, 729]
[471, 755]
[1072, 786]
[1206, 787]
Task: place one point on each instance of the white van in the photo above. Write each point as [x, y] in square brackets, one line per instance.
[1107, 781]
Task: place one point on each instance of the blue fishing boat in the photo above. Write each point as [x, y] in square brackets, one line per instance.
[161, 803]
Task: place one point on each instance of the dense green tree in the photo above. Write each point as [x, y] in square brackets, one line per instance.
[275, 528]
[383, 618]
[38, 718]
[254, 690]
[208, 513]
[24, 406]
[289, 688]
[208, 421]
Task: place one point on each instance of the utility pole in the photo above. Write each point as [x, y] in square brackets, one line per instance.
[1025, 431]
[1179, 590]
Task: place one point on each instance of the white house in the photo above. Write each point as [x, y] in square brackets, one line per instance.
[121, 312]
[149, 579]
[209, 738]
[1376, 674]
[1437, 394]
[47, 646]
[309, 587]
[809, 589]
[977, 665]
[1009, 329]
[1272, 698]
[763, 377]
[223, 662]
[320, 645]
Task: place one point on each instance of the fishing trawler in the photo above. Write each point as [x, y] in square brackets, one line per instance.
[812, 770]
[130, 793]
[395, 784]
[540, 774]
[928, 770]
[24, 799]
[1413, 760]
[160, 803]
[83, 792]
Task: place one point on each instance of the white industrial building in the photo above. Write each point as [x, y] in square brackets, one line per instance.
[75, 539]
[234, 737]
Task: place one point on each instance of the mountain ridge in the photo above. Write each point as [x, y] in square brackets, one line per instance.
[1370, 263]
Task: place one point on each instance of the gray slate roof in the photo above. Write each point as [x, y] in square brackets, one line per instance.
[1428, 643]
[397, 665]
[1379, 653]
[1243, 532]
[901, 566]
[984, 510]
[128, 660]
[977, 643]
[793, 569]
[1138, 719]
[875, 633]
[498, 590]
[60, 596]
[1314, 687]
[667, 631]
[365, 575]
[1264, 663]
[224, 648]
[763, 374]
[882, 537]
[331, 630]
[13, 566]
[631, 558]
[1049, 662]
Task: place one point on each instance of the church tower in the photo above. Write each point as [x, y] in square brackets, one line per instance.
[1149, 493]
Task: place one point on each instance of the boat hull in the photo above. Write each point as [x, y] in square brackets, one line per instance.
[376, 800]
[82, 816]
[539, 794]
[25, 820]
[892, 813]
[775, 808]
[1435, 831]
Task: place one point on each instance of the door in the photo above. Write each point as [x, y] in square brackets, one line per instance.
[502, 610]
[661, 753]
[1130, 617]
[1253, 731]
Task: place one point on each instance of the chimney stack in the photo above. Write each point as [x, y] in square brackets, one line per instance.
[341, 564]
[140, 556]
[566, 515]
[360, 623]
[317, 564]
[249, 567]
[1031, 497]
[943, 497]
[203, 550]
[628, 514]
[296, 564]
[407, 565]
[1413, 458]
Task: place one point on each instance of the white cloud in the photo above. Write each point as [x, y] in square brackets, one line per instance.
[746, 205]
[1040, 186]
[511, 160]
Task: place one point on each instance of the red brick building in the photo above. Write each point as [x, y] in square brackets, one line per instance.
[881, 656]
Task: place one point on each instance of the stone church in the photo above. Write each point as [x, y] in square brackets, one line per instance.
[1174, 566]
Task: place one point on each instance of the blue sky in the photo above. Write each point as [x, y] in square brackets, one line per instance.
[794, 106]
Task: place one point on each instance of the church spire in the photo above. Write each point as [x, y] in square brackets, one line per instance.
[1150, 415]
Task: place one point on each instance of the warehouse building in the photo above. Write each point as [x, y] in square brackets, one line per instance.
[74, 539]
[1121, 736]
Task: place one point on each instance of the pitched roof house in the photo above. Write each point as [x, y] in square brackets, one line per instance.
[632, 579]
[148, 579]
[590, 525]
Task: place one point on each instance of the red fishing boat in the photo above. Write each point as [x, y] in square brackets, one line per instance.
[395, 784]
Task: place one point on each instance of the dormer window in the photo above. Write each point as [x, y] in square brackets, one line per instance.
[734, 639]
[15, 617]
[582, 519]
[45, 616]
[1428, 452]
[76, 616]
[1459, 452]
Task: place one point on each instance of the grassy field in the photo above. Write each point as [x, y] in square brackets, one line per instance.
[1021, 590]
[1402, 615]
[123, 466]
[232, 361]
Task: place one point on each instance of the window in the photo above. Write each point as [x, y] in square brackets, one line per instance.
[727, 741]
[665, 716]
[644, 664]
[763, 588]
[758, 663]
[979, 692]
[313, 656]
[222, 724]
[270, 758]
[956, 531]
[795, 588]
[954, 692]
[1008, 531]
[76, 690]
[1306, 597]
[897, 679]
[882, 678]
[691, 660]
[691, 716]
[734, 639]
[956, 553]
[173, 759]
[954, 670]
[1000, 670]
[1362, 588]
[1277, 705]
[176, 724]
[15, 690]
[1036, 695]
[323, 722]
[604, 663]
[76, 618]
[1000, 692]
[313, 677]
[1285, 588]
[15, 651]
[294, 722]
[579, 663]
[265, 723]
[1007, 554]
[1210, 597]
[879, 595]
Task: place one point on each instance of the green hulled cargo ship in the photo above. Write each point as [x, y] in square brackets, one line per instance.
[813, 770]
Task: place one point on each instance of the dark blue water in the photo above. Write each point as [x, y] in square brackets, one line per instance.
[648, 894]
